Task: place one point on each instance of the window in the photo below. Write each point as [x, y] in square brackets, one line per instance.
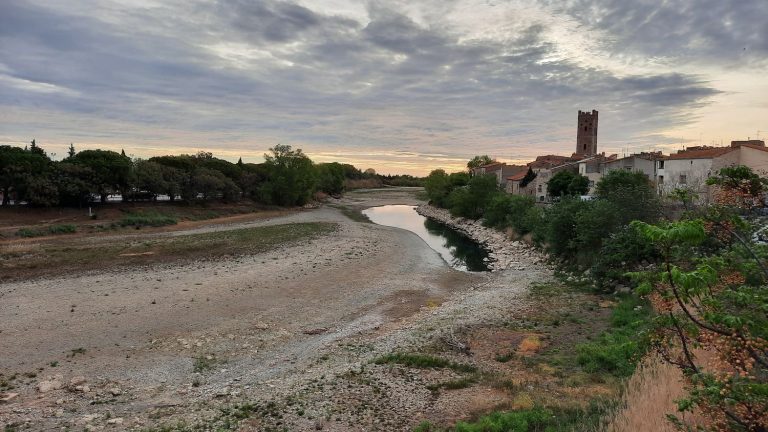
[661, 164]
[661, 179]
[541, 198]
[683, 179]
[539, 188]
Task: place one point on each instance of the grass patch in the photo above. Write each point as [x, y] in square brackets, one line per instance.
[79, 255]
[147, 218]
[456, 384]
[203, 363]
[536, 419]
[421, 361]
[51, 230]
[617, 350]
[354, 214]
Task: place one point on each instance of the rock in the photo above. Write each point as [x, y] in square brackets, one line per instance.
[115, 421]
[7, 397]
[115, 391]
[319, 425]
[90, 417]
[83, 388]
[77, 380]
[46, 386]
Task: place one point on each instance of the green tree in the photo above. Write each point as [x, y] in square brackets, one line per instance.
[506, 210]
[437, 186]
[632, 192]
[74, 183]
[148, 176]
[567, 183]
[111, 171]
[478, 161]
[291, 177]
[472, 200]
[17, 168]
[330, 178]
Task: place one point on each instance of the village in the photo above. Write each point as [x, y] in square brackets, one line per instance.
[687, 169]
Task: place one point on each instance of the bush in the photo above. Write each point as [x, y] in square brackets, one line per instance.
[153, 219]
[618, 349]
[509, 211]
[472, 200]
[51, 230]
[623, 251]
[535, 419]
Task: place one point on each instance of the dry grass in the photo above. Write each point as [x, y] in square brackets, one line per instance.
[649, 396]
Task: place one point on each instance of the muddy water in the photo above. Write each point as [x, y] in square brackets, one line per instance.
[457, 250]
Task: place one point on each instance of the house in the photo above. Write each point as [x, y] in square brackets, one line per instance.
[642, 162]
[690, 168]
[501, 170]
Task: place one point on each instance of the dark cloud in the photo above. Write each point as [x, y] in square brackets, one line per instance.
[713, 31]
[298, 74]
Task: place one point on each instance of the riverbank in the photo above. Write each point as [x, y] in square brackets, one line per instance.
[503, 252]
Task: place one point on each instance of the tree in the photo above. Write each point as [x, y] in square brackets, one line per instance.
[528, 178]
[437, 186]
[472, 200]
[567, 183]
[330, 178]
[71, 152]
[147, 176]
[739, 186]
[632, 192]
[17, 168]
[291, 177]
[111, 171]
[479, 161]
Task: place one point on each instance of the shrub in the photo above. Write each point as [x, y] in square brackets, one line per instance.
[140, 219]
[617, 350]
[472, 200]
[505, 210]
[51, 230]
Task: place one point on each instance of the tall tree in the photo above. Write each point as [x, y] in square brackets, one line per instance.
[479, 161]
[291, 177]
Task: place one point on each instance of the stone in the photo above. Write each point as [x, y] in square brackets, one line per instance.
[115, 421]
[115, 391]
[77, 380]
[7, 397]
[83, 388]
[46, 386]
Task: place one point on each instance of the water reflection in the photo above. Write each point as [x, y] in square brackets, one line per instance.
[457, 250]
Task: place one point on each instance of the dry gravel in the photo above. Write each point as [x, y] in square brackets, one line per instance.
[288, 330]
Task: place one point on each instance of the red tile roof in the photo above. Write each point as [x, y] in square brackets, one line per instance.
[700, 154]
[518, 176]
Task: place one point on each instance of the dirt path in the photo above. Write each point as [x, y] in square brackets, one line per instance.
[178, 341]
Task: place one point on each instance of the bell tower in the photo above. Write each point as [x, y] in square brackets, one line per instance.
[586, 135]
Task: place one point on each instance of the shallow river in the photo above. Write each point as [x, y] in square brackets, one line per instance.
[457, 250]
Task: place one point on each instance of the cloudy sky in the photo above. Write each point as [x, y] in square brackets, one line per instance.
[397, 85]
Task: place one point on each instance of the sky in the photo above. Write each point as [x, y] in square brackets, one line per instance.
[401, 86]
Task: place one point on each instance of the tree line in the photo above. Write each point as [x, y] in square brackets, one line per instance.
[287, 177]
[703, 270]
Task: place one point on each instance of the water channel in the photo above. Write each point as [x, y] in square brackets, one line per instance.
[459, 251]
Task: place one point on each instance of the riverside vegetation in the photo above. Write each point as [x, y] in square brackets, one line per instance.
[703, 272]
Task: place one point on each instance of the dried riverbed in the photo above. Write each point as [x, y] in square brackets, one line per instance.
[278, 339]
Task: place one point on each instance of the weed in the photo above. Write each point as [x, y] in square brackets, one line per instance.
[76, 351]
[51, 230]
[203, 363]
[422, 361]
[618, 349]
[453, 384]
[151, 218]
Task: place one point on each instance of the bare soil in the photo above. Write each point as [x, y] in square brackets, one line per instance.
[282, 339]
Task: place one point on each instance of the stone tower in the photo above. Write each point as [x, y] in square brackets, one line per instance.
[586, 137]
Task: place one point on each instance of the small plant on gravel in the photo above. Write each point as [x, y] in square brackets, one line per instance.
[423, 361]
[76, 351]
[51, 230]
[152, 218]
[203, 363]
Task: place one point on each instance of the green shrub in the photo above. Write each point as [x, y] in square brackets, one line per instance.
[617, 350]
[152, 218]
[472, 200]
[535, 419]
[51, 230]
[506, 210]
[422, 361]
